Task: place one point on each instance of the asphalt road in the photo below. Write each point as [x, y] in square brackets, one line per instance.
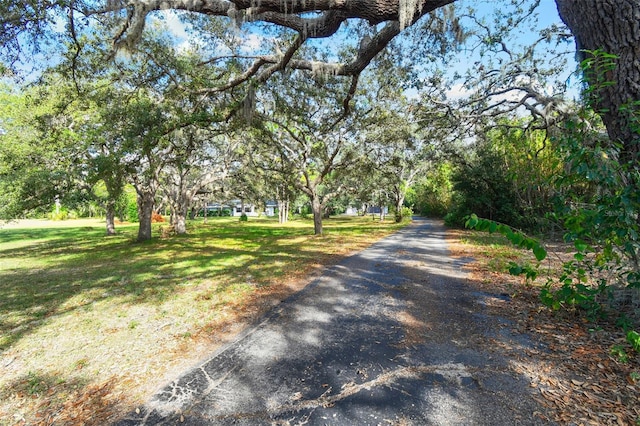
[390, 336]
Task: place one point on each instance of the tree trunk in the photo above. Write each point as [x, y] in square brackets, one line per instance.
[399, 205]
[111, 217]
[172, 215]
[181, 223]
[283, 211]
[145, 212]
[611, 26]
[180, 218]
[181, 207]
[316, 208]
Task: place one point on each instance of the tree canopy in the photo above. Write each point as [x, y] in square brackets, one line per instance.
[215, 78]
[34, 26]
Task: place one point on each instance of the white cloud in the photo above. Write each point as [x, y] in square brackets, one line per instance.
[184, 36]
[254, 41]
[457, 92]
[412, 94]
[177, 28]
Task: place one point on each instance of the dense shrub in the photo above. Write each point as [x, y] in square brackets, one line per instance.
[404, 214]
[132, 211]
[432, 196]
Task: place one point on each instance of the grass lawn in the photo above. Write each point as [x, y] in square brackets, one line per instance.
[90, 325]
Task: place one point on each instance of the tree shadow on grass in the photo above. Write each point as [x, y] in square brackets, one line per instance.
[389, 334]
[57, 272]
[54, 267]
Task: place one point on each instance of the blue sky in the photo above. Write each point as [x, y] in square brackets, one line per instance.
[546, 15]
[547, 12]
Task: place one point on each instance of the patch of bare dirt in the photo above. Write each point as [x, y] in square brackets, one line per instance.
[582, 377]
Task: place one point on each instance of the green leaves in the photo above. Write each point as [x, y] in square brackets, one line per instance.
[516, 237]
[539, 252]
[472, 222]
[597, 204]
[634, 340]
[581, 246]
[530, 272]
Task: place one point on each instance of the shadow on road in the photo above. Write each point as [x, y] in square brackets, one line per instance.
[391, 335]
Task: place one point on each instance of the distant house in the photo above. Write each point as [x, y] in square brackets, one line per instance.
[377, 210]
[270, 208]
[351, 211]
[217, 209]
[235, 208]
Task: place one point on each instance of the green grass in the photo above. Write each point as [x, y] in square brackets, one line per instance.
[495, 253]
[50, 271]
[83, 307]
[494, 250]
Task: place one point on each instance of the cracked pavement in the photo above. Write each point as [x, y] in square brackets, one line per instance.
[389, 336]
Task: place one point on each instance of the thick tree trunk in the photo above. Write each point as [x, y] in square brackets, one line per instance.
[614, 27]
[180, 205]
[181, 223]
[316, 208]
[145, 212]
[111, 217]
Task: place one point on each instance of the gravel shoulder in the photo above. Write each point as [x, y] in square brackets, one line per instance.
[391, 335]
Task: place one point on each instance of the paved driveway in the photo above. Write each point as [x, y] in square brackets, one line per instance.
[391, 335]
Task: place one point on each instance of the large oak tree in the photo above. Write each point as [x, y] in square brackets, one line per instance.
[612, 26]
[313, 139]
[608, 25]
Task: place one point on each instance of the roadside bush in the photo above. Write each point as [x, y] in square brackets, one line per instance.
[506, 177]
[458, 213]
[405, 213]
[597, 204]
[486, 188]
[59, 214]
[432, 196]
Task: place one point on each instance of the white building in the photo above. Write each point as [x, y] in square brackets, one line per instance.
[235, 208]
